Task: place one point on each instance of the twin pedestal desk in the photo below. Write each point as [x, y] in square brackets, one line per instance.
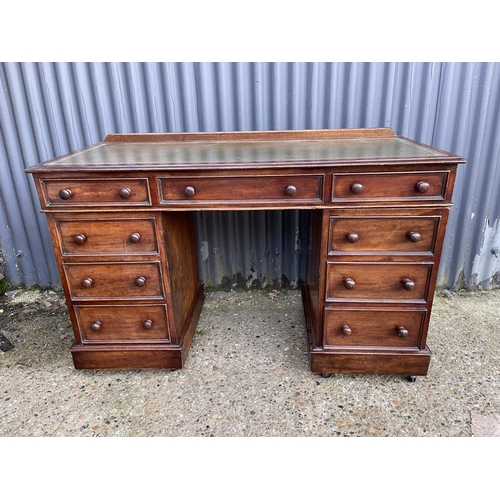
[120, 215]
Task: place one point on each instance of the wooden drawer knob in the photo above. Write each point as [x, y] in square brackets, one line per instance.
[96, 326]
[291, 190]
[147, 325]
[87, 282]
[189, 191]
[414, 237]
[79, 239]
[346, 330]
[65, 194]
[140, 281]
[408, 284]
[125, 193]
[422, 187]
[352, 237]
[402, 332]
[134, 238]
[357, 188]
[349, 283]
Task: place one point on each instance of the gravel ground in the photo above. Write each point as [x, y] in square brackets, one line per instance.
[247, 375]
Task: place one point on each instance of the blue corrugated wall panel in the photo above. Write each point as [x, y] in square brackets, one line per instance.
[49, 109]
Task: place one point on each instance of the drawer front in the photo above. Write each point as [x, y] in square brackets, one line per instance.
[111, 236]
[377, 281]
[75, 192]
[382, 234]
[115, 281]
[122, 323]
[366, 187]
[288, 189]
[358, 327]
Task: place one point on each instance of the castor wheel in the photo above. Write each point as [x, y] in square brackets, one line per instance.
[411, 378]
[326, 375]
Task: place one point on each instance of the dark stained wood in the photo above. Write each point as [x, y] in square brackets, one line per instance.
[385, 233]
[374, 328]
[120, 214]
[283, 189]
[84, 192]
[362, 186]
[130, 280]
[107, 235]
[123, 323]
[182, 266]
[393, 282]
[253, 135]
[374, 362]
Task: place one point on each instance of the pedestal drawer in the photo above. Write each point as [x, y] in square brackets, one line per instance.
[366, 327]
[115, 281]
[371, 234]
[122, 323]
[378, 281]
[107, 236]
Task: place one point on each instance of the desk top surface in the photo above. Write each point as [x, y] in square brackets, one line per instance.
[358, 146]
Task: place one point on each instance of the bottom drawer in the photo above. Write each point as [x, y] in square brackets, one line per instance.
[122, 323]
[365, 327]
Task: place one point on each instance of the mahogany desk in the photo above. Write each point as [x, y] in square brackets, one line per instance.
[120, 215]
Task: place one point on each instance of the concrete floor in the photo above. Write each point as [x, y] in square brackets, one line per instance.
[247, 375]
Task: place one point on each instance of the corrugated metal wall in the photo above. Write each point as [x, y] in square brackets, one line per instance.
[48, 109]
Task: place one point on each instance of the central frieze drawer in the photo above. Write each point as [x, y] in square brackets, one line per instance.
[358, 327]
[378, 281]
[382, 234]
[122, 323]
[357, 187]
[114, 281]
[83, 192]
[108, 236]
[235, 189]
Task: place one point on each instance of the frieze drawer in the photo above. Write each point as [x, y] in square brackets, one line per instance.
[85, 192]
[286, 189]
[389, 186]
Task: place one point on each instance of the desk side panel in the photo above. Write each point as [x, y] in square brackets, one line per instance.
[182, 264]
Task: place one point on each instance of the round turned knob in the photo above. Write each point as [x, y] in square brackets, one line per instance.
[96, 326]
[291, 190]
[134, 238]
[414, 236]
[87, 282]
[408, 284]
[349, 283]
[189, 191]
[147, 325]
[65, 194]
[79, 239]
[402, 332]
[140, 281]
[422, 187]
[352, 237]
[125, 193]
[356, 188]
[346, 330]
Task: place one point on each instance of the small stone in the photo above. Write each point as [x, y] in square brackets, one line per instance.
[46, 303]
